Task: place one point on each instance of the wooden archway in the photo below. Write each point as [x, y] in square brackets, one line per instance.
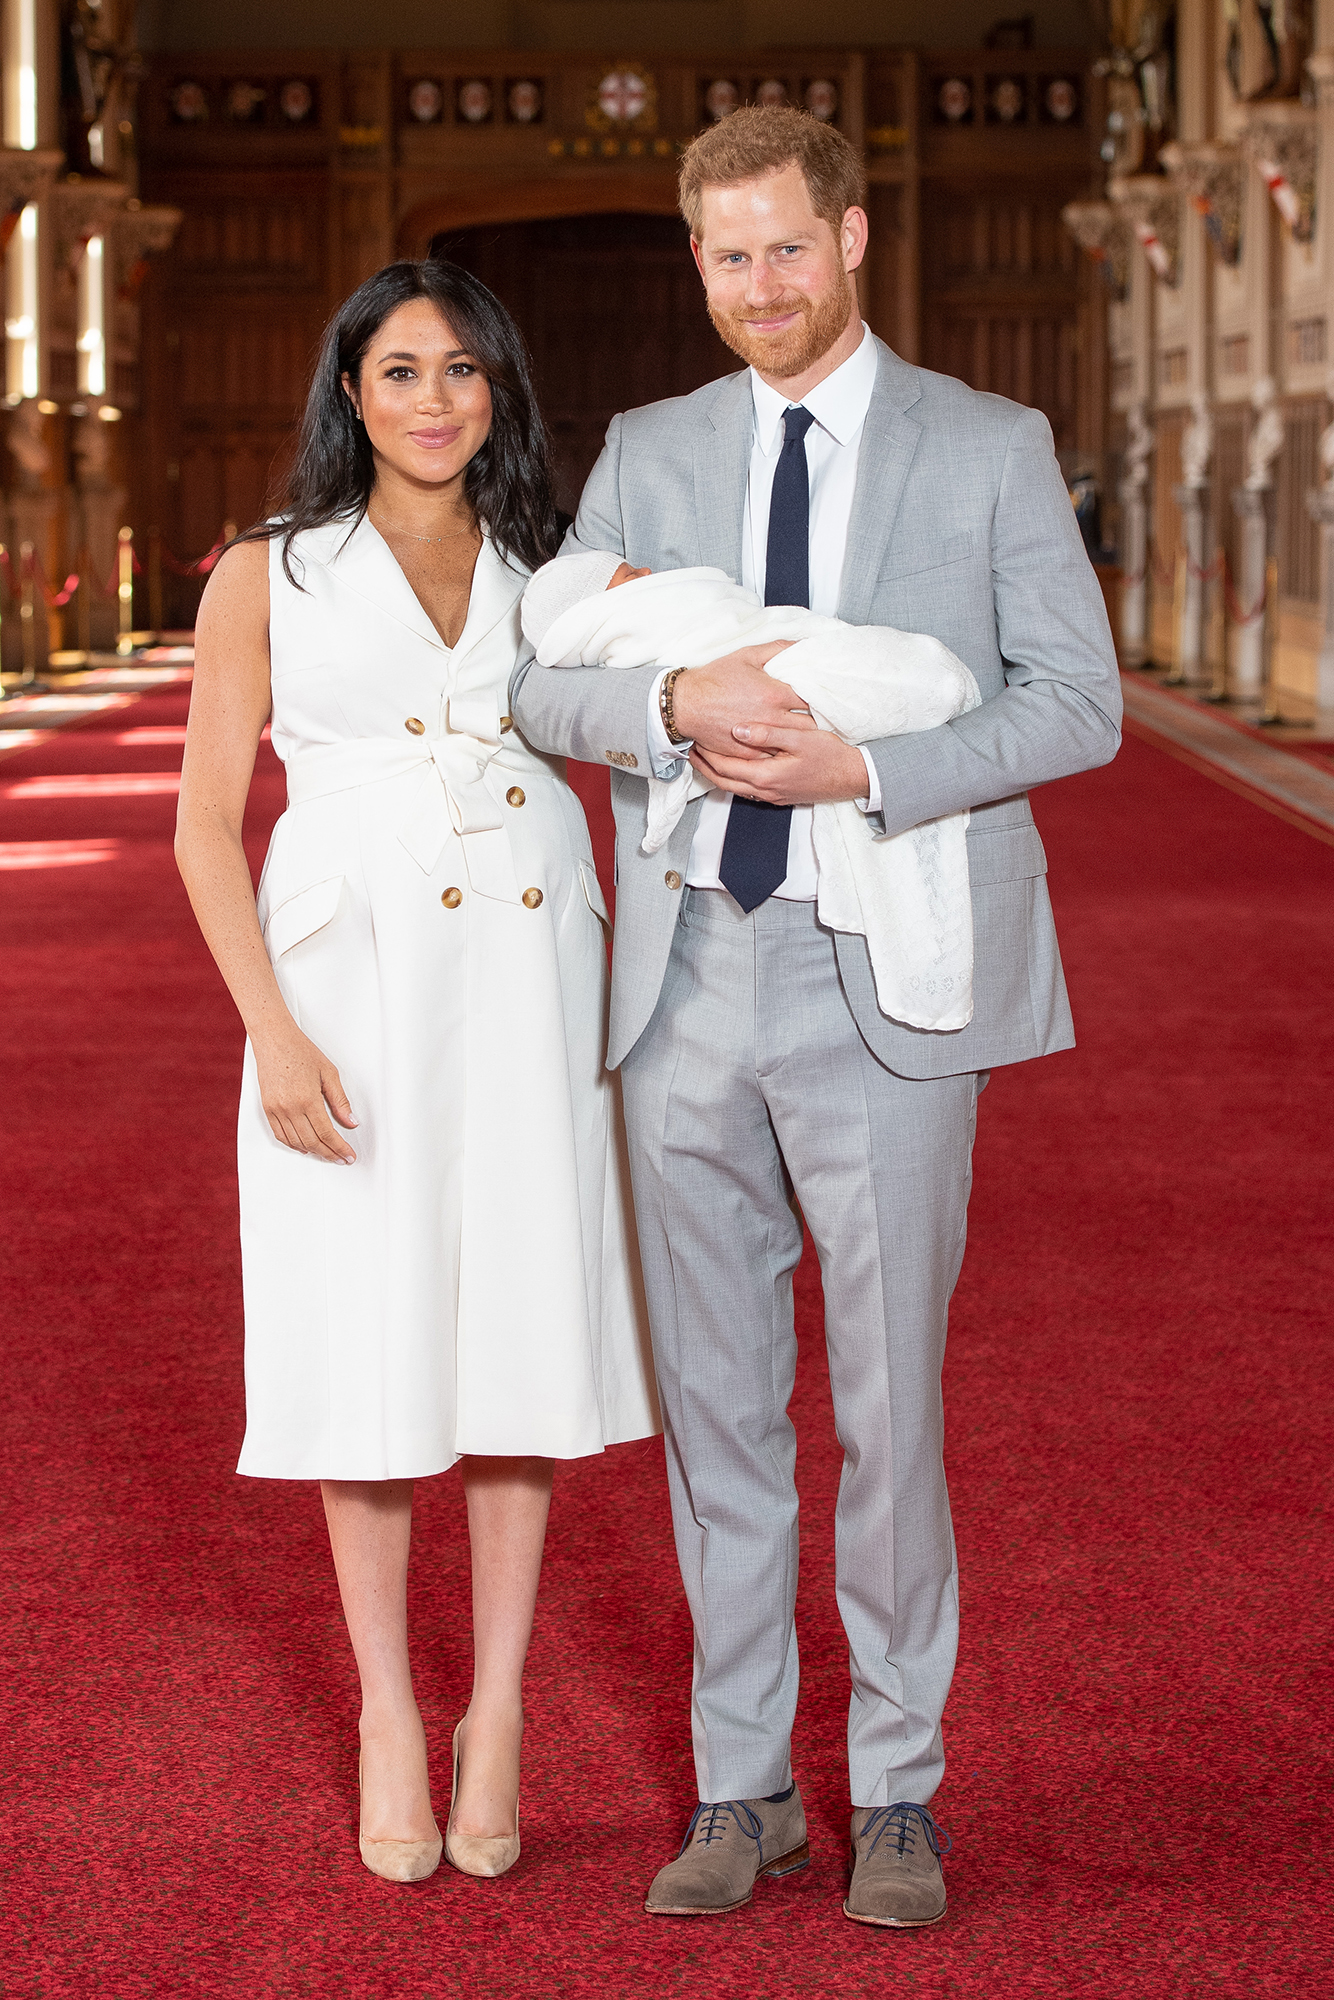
[465, 200]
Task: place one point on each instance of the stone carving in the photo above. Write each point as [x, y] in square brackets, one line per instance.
[1213, 177]
[1197, 444]
[81, 209]
[1139, 446]
[1102, 231]
[1266, 440]
[1283, 141]
[24, 175]
[1320, 69]
[1152, 208]
[28, 446]
[139, 229]
[1267, 43]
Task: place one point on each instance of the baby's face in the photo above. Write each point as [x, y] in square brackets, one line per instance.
[624, 574]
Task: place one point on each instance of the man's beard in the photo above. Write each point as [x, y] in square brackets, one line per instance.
[819, 323]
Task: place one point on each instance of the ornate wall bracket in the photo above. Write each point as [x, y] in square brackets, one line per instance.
[80, 209]
[1284, 143]
[1152, 209]
[136, 232]
[1320, 69]
[24, 176]
[1102, 231]
[1214, 179]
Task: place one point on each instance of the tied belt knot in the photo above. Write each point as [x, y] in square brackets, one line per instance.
[450, 794]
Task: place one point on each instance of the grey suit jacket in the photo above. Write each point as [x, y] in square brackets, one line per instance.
[962, 527]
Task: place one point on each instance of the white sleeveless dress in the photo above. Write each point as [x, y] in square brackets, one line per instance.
[430, 907]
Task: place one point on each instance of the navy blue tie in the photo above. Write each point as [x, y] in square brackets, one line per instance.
[754, 859]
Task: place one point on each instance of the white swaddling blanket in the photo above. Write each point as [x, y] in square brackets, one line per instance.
[909, 896]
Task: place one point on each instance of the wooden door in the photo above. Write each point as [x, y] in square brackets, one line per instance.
[613, 312]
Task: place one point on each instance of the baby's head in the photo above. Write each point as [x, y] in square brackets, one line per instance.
[559, 585]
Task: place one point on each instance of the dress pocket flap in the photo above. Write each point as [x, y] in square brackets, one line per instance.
[593, 895]
[1009, 854]
[300, 916]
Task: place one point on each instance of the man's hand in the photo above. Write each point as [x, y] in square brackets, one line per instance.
[788, 764]
[711, 702]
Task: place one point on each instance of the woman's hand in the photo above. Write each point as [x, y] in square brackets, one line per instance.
[301, 1090]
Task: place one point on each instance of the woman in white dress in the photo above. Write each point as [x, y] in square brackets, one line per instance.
[436, 1239]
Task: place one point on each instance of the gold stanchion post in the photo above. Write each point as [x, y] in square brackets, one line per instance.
[1272, 712]
[85, 603]
[125, 589]
[155, 581]
[28, 615]
[5, 692]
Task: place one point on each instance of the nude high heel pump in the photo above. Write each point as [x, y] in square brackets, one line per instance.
[475, 1853]
[400, 1860]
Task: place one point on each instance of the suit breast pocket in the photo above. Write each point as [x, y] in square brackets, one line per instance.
[940, 555]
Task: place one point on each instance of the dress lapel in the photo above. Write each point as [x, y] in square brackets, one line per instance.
[362, 562]
[722, 460]
[495, 587]
[889, 441]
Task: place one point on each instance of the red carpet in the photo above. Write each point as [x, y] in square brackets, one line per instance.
[1140, 1447]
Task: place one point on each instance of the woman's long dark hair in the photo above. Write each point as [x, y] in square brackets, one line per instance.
[508, 483]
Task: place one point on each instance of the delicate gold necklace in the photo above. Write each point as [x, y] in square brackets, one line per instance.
[394, 529]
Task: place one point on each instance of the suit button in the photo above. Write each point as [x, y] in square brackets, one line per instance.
[415, 727]
[506, 722]
[672, 879]
[531, 898]
[514, 796]
[452, 898]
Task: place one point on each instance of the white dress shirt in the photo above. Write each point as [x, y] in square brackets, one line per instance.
[838, 405]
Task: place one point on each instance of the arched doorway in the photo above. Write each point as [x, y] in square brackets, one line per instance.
[613, 312]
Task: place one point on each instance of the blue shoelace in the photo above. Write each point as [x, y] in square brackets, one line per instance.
[713, 1818]
[900, 1824]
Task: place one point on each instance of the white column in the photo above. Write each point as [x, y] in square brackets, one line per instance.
[1248, 636]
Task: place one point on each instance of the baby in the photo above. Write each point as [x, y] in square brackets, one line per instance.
[907, 896]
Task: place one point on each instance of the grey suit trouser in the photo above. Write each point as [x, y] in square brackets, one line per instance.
[752, 1083]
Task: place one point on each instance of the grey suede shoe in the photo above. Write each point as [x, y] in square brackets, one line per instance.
[896, 1873]
[726, 1846]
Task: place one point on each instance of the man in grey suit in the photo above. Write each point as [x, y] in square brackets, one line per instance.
[757, 1064]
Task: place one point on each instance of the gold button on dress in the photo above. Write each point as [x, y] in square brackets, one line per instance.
[532, 899]
[415, 726]
[515, 795]
[452, 898]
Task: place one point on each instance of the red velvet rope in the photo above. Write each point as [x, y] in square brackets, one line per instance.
[56, 600]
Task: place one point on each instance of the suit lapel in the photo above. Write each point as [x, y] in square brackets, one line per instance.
[889, 442]
[722, 462]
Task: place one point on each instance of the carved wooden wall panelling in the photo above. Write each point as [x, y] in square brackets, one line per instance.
[302, 172]
[1006, 140]
[612, 311]
[1298, 471]
[1001, 293]
[1166, 529]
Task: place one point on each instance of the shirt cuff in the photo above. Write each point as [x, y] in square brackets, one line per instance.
[665, 756]
[872, 802]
